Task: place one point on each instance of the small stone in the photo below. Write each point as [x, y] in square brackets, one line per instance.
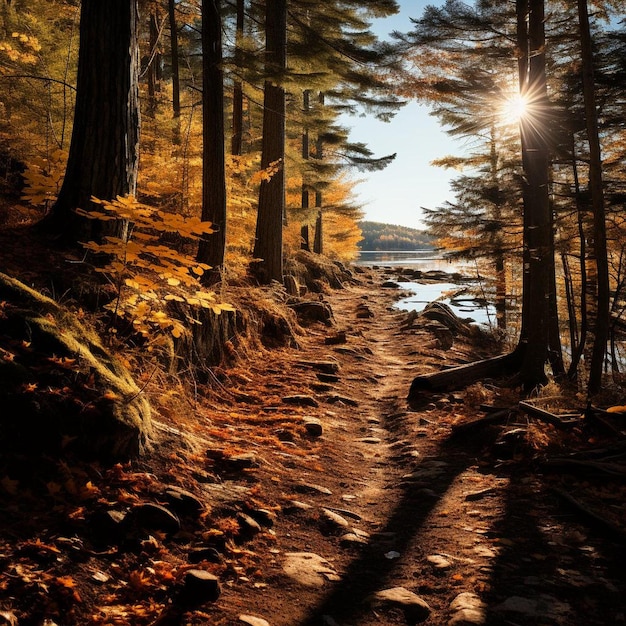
[312, 488]
[295, 505]
[352, 539]
[301, 400]
[467, 600]
[248, 525]
[331, 521]
[346, 513]
[390, 284]
[197, 555]
[439, 562]
[392, 554]
[238, 462]
[251, 620]
[308, 569]
[200, 587]
[155, 517]
[371, 440]
[468, 617]
[263, 517]
[313, 427]
[183, 502]
[415, 609]
[338, 399]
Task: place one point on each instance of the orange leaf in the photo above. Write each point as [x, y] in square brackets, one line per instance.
[66, 581]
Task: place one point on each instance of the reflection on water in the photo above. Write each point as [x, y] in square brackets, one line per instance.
[460, 296]
[415, 259]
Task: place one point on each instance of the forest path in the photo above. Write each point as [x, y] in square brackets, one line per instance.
[389, 522]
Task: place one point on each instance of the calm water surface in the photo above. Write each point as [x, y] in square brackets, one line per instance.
[464, 298]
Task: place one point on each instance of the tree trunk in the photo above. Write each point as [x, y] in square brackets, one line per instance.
[305, 243]
[306, 155]
[103, 153]
[154, 62]
[237, 136]
[268, 247]
[318, 241]
[538, 236]
[601, 326]
[175, 70]
[582, 340]
[212, 247]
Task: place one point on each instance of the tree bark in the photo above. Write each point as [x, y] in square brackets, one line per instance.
[212, 247]
[237, 133]
[601, 326]
[103, 154]
[175, 70]
[154, 62]
[538, 236]
[268, 248]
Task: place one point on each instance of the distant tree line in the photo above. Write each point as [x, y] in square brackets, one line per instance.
[379, 236]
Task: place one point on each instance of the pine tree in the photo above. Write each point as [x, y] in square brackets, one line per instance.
[103, 156]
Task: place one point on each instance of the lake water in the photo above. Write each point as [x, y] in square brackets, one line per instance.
[465, 298]
[415, 259]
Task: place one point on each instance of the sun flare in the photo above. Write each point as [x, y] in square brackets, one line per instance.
[514, 108]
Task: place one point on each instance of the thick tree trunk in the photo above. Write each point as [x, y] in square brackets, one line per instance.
[103, 154]
[601, 326]
[538, 236]
[212, 247]
[268, 248]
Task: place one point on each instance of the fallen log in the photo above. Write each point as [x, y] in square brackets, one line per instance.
[464, 375]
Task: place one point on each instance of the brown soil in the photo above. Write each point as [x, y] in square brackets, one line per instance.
[287, 440]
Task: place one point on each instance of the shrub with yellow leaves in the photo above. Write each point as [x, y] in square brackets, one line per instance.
[147, 273]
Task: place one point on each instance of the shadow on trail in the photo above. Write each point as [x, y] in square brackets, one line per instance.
[371, 571]
[551, 568]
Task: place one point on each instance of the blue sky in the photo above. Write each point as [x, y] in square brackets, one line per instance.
[395, 194]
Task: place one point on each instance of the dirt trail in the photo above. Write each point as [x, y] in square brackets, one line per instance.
[397, 524]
